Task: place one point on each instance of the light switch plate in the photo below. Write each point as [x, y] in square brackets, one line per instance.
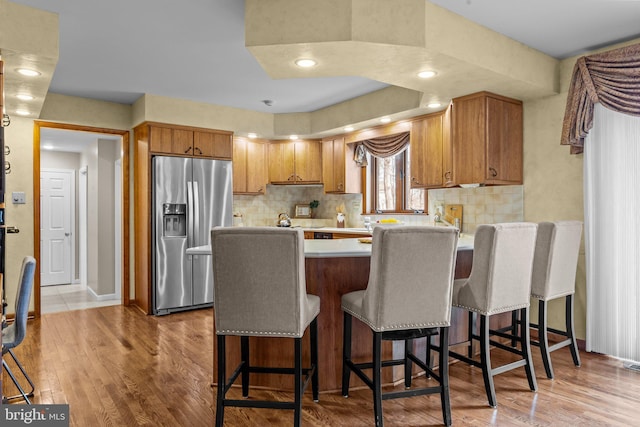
[18, 197]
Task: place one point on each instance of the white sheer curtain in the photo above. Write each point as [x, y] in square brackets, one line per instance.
[612, 234]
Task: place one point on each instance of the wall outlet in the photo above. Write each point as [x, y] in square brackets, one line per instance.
[18, 198]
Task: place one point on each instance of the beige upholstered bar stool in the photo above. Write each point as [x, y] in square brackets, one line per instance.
[500, 281]
[408, 296]
[260, 290]
[554, 276]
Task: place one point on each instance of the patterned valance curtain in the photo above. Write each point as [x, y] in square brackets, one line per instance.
[386, 146]
[610, 78]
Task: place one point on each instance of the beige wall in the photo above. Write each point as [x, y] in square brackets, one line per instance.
[89, 158]
[107, 155]
[19, 137]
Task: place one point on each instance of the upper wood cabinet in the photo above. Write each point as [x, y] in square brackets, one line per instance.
[213, 144]
[487, 139]
[298, 162]
[340, 174]
[190, 142]
[249, 166]
[430, 144]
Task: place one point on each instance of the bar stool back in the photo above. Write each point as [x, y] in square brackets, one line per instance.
[260, 289]
[500, 281]
[554, 276]
[408, 296]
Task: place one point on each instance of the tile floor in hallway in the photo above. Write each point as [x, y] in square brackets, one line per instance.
[59, 298]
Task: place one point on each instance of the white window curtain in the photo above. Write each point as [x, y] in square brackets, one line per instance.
[612, 234]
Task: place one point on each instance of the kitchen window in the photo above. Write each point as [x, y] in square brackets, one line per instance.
[389, 187]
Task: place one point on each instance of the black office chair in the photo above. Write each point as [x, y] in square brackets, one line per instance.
[14, 333]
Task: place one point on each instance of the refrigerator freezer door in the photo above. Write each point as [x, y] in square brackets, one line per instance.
[213, 191]
[172, 272]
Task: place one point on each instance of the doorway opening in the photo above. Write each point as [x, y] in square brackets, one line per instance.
[81, 218]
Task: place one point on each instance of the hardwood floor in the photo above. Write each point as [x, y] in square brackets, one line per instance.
[116, 366]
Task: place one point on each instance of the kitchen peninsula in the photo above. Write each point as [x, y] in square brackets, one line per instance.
[334, 268]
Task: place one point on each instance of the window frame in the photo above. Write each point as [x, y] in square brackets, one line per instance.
[403, 186]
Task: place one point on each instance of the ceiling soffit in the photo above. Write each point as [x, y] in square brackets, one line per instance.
[391, 42]
[27, 46]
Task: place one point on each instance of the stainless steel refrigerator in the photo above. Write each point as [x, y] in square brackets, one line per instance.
[190, 196]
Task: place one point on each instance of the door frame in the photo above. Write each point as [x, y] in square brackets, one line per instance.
[124, 155]
[72, 219]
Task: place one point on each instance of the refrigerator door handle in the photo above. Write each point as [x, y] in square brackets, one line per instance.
[196, 213]
[191, 235]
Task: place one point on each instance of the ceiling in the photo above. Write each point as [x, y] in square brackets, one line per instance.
[119, 50]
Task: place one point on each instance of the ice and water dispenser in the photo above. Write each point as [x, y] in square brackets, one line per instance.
[174, 219]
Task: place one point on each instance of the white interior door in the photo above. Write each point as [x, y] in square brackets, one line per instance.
[55, 220]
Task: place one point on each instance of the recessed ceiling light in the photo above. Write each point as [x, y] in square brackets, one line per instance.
[24, 97]
[22, 112]
[28, 72]
[305, 62]
[426, 74]
[293, 137]
[434, 105]
[47, 147]
[348, 129]
[385, 120]
[252, 135]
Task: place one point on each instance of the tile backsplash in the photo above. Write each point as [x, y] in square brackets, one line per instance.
[264, 210]
[481, 205]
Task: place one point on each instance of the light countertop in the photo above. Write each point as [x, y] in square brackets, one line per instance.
[336, 248]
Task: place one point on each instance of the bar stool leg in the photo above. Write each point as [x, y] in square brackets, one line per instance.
[444, 375]
[222, 380]
[472, 321]
[570, 331]
[428, 360]
[543, 338]
[485, 360]
[377, 383]
[514, 328]
[408, 344]
[244, 352]
[297, 412]
[346, 354]
[315, 387]
[526, 349]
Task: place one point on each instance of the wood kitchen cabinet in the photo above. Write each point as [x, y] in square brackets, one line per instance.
[487, 139]
[191, 142]
[431, 163]
[340, 174]
[249, 166]
[298, 162]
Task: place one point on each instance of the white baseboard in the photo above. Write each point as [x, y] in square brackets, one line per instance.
[105, 297]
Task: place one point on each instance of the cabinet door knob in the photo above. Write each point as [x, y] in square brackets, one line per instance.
[414, 180]
[199, 150]
[494, 172]
[447, 175]
[187, 150]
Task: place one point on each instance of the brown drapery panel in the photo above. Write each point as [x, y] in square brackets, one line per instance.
[386, 146]
[611, 78]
